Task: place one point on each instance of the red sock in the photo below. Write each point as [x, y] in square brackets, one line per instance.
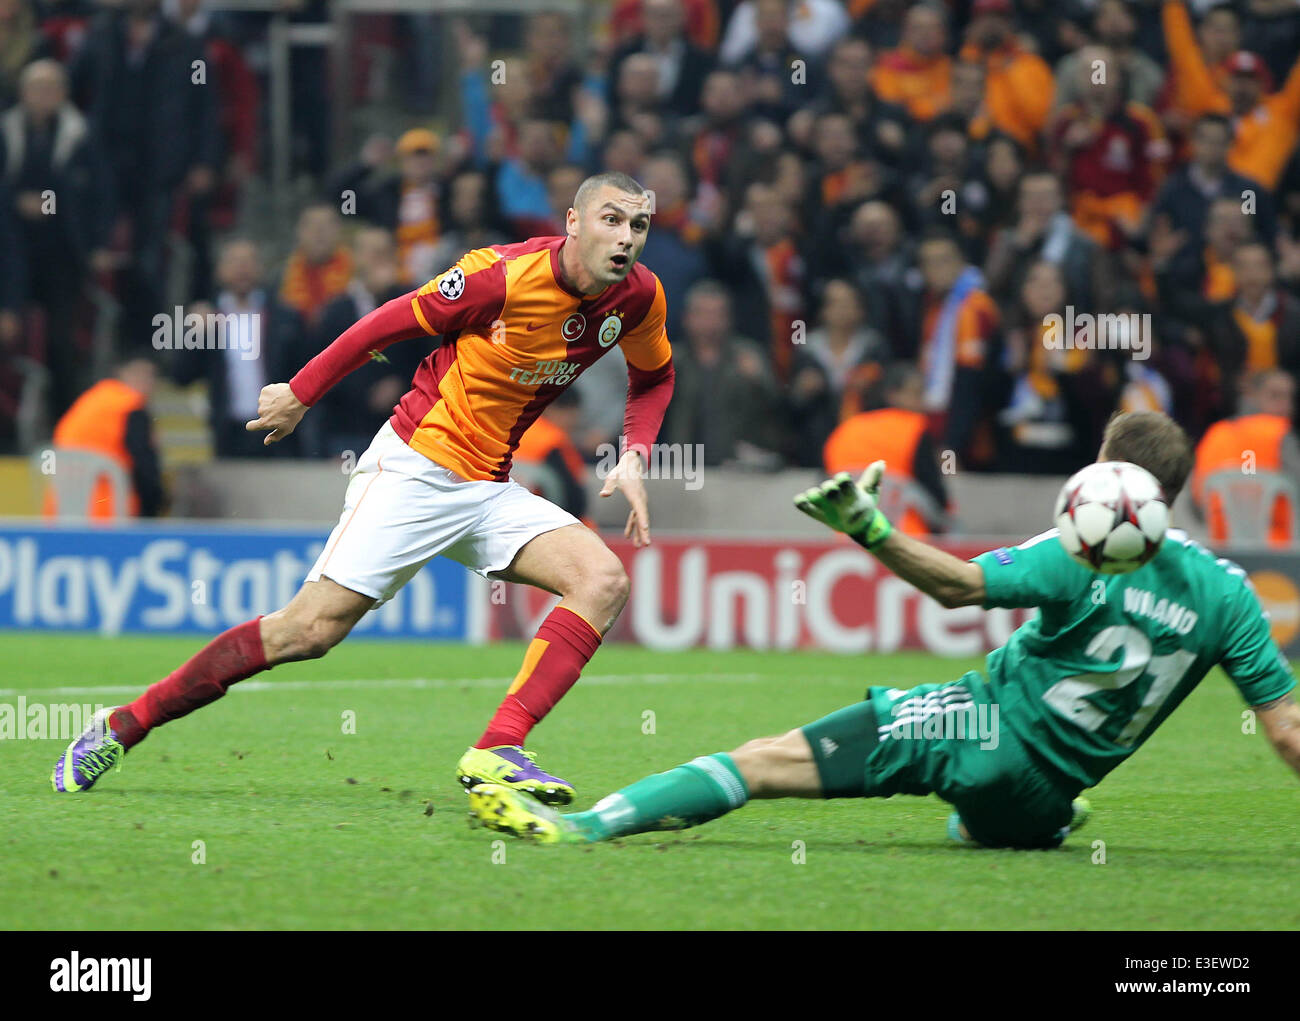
[232, 656]
[555, 657]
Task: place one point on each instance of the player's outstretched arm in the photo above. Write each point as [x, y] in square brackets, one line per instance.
[1281, 720]
[850, 507]
[949, 580]
[280, 406]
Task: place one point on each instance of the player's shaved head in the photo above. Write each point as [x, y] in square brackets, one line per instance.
[610, 179]
[607, 228]
[1151, 440]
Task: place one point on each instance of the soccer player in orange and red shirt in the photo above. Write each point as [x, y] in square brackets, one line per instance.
[518, 324]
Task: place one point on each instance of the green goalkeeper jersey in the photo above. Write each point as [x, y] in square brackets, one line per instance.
[1108, 657]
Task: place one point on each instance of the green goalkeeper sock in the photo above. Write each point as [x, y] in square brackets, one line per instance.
[694, 793]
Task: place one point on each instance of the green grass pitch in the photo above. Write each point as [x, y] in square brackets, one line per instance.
[306, 826]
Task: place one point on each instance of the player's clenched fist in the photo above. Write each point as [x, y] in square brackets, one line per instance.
[278, 410]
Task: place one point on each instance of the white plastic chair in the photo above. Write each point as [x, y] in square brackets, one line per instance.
[75, 475]
[1248, 502]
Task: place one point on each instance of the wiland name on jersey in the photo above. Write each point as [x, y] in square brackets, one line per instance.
[1172, 615]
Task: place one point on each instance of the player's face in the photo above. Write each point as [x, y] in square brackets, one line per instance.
[610, 232]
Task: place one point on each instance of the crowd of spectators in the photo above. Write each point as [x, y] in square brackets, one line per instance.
[853, 198]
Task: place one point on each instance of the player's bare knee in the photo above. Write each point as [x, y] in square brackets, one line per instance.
[754, 766]
[605, 583]
[766, 763]
[619, 585]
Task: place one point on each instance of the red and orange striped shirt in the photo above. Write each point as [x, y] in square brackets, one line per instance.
[514, 336]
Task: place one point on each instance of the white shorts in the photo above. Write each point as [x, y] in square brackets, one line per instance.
[401, 510]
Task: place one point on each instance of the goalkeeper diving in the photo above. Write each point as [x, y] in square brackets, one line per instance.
[1073, 693]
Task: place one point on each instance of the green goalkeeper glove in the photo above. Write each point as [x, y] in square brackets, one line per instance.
[850, 507]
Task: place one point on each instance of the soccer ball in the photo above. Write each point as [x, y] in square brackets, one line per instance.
[1112, 516]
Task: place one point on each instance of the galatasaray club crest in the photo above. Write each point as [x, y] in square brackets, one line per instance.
[572, 328]
[610, 329]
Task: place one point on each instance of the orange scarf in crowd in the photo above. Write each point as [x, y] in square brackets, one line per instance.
[418, 227]
[1261, 340]
[308, 288]
[1046, 363]
[783, 276]
[1220, 283]
[921, 84]
[678, 220]
[834, 186]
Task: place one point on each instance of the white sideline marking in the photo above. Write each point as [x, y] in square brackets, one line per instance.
[397, 682]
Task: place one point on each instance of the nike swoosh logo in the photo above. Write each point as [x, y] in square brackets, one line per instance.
[534, 326]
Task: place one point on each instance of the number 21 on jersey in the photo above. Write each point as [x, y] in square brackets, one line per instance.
[1070, 697]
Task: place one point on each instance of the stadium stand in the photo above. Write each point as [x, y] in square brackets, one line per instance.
[1110, 160]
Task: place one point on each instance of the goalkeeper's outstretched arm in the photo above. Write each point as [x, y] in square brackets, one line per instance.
[948, 579]
[850, 507]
